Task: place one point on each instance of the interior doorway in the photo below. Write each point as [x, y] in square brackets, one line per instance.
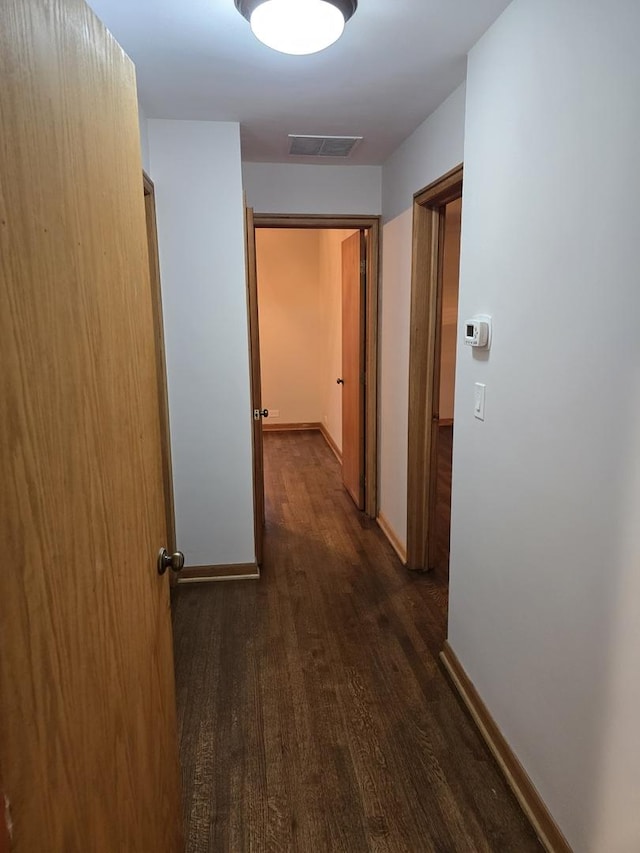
[314, 340]
[311, 293]
[434, 324]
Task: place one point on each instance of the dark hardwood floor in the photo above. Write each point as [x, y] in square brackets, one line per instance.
[443, 503]
[314, 714]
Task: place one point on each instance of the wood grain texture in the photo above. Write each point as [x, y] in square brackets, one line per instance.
[371, 226]
[5, 840]
[525, 791]
[373, 250]
[277, 427]
[314, 713]
[431, 533]
[424, 362]
[161, 362]
[353, 361]
[443, 190]
[422, 368]
[256, 383]
[314, 220]
[88, 745]
[441, 519]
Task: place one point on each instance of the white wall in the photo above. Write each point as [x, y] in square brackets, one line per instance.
[197, 176]
[298, 188]
[431, 151]
[545, 577]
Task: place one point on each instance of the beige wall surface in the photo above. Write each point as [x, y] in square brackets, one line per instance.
[291, 318]
[300, 316]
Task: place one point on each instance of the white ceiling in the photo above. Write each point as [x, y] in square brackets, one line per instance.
[397, 60]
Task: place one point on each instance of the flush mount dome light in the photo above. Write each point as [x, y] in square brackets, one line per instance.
[298, 27]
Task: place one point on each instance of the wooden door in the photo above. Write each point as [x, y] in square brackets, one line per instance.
[5, 841]
[88, 745]
[353, 354]
[256, 385]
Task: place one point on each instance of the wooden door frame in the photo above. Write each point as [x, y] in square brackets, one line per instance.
[371, 226]
[256, 385]
[161, 362]
[424, 368]
[353, 295]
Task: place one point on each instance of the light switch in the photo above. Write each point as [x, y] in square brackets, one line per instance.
[478, 405]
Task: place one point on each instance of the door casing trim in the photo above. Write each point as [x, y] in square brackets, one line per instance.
[424, 368]
[161, 362]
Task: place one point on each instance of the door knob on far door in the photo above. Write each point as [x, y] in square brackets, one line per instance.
[340, 381]
[175, 562]
[260, 413]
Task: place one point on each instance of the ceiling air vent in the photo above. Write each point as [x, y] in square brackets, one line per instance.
[322, 146]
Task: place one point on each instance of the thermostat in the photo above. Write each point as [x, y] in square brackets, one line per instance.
[477, 331]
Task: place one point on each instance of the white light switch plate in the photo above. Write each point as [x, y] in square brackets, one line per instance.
[478, 400]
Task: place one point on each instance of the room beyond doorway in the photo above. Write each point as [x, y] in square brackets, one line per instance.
[300, 319]
[319, 337]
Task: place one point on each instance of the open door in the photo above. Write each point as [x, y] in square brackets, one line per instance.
[354, 267]
[5, 841]
[256, 386]
[88, 742]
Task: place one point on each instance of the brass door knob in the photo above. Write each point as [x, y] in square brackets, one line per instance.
[175, 562]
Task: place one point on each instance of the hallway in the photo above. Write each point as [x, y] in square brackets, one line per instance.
[313, 713]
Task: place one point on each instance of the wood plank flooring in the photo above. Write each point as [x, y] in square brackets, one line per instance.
[443, 503]
[314, 715]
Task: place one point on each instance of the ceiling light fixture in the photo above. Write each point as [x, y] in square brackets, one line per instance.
[298, 27]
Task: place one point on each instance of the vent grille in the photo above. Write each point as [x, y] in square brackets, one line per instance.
[322, 146]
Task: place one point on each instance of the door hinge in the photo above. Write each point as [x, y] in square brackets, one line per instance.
[363, 267]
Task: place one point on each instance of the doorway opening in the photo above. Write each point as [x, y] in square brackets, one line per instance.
[317, 365]
[434, 323]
